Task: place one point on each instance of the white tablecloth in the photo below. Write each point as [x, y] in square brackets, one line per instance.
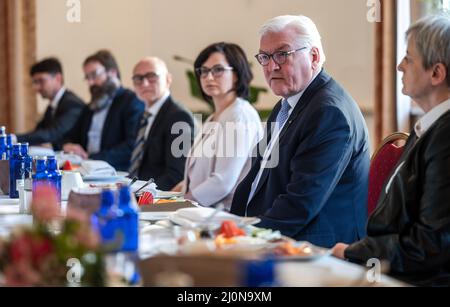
[326, 271]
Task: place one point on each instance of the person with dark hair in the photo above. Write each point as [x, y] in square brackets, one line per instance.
[221, 154]
[107, 127]
[63, 111]
[410, 228]
[154, 155]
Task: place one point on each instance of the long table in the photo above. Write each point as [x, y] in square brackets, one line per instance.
[325, 271]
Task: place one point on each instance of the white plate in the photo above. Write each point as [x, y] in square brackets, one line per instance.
[154, 216]
[195, 217]
[119, 176]
[9, 201]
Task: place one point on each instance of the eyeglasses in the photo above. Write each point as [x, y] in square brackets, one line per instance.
[151, 77]
[216, 71]
[279, 57]
[92, 76]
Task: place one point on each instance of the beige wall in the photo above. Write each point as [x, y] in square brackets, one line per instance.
[134, 28]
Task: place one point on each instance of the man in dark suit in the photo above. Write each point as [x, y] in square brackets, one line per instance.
[63, 111]
[311, 180]
[107, 127]
[410, 227]
[166, 128]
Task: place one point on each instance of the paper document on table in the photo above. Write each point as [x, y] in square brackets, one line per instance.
[97, 169]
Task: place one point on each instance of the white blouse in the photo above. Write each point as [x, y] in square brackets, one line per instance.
[221, 155]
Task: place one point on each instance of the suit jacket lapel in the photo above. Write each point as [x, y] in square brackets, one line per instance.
[109, 117]
[160, 116]
[61, 103]
[158, 122]
[320, 81]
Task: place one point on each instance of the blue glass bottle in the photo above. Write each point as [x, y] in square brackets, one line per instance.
[2, 130]
[27, 160]
[9, 144]
[54, 175]
[107, 218]
[3, 148]
[259, 273]
[128, 221]
[16, 171]
[40, 178]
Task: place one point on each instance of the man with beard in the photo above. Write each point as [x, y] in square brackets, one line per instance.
[107, 128]
[63, 110]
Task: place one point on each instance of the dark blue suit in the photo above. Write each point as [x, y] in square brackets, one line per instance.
[318, 190]
[119, 130]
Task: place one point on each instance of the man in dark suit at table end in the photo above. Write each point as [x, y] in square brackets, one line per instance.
[63, 111]
[311, 180]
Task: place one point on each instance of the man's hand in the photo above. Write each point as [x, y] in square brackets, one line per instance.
[179, 187]
[339, 250]
[75, 149]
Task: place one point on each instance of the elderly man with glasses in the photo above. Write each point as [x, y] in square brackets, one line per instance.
[166, 129]
[107, 127]
[310, 177]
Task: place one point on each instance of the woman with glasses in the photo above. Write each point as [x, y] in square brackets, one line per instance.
[221, 154]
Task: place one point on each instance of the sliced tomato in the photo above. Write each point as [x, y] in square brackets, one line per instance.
[229, 229]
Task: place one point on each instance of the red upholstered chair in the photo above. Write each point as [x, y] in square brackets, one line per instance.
[383, 161]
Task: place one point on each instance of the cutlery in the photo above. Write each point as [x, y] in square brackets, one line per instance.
[145, 185]
[133, 181]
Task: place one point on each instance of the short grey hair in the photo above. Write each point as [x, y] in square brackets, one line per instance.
[307, 31]
[432, 38]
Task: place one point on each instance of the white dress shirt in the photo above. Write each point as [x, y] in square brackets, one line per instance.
[274, 140]
[221, 155]
[55, 102]
[154, 110]
[96, 130]
[420, 128]
[431, 117]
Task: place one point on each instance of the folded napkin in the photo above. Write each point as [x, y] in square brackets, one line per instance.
[36, 151]
[97, 168]
[72, 158]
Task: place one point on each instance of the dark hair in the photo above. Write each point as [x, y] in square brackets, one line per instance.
[106, 58]
[50, 65]
[236, 58]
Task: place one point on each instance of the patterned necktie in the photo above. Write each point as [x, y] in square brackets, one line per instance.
[138, 152]
[283, 115]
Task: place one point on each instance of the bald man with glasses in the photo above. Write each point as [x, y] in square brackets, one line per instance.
[156, 153]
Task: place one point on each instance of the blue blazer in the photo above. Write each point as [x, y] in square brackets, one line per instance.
[318, 190]
[119, 131]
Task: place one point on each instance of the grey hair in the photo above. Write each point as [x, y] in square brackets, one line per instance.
[432, 38]
[304, 26]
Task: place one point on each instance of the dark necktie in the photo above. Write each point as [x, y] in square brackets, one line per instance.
[48, 116]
